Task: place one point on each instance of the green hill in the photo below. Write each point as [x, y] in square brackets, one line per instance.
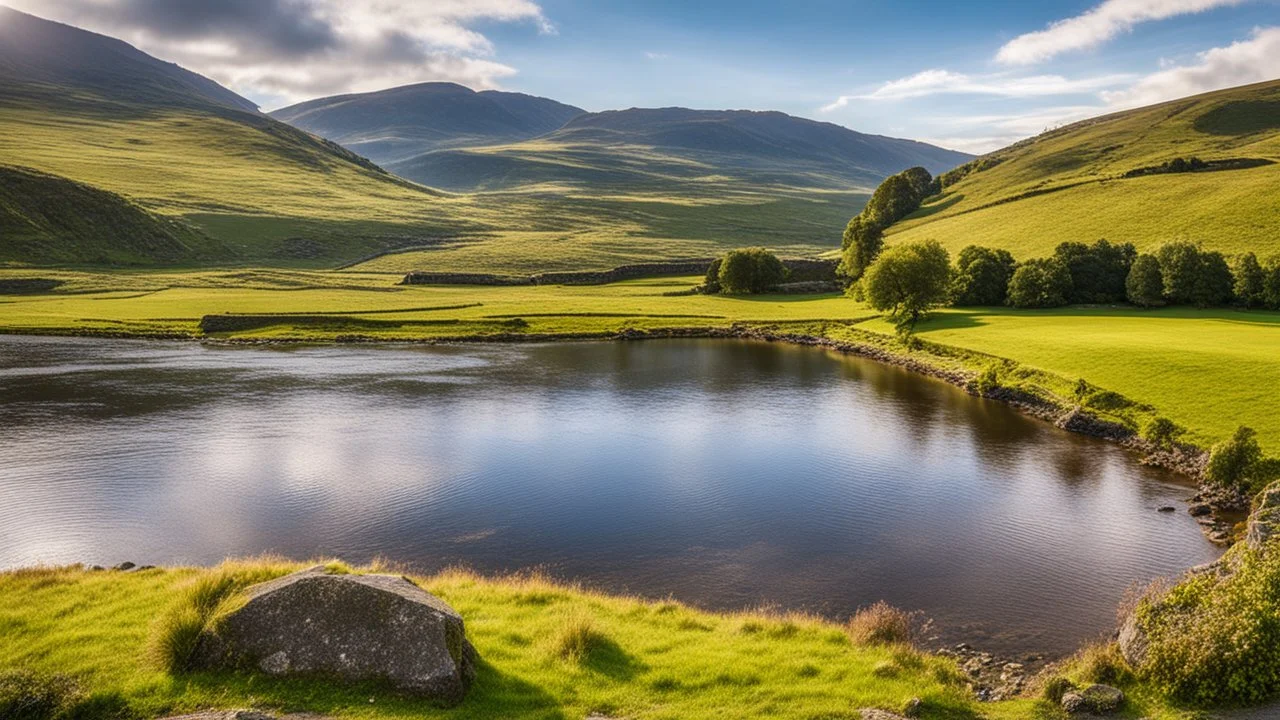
[642, 148]
[396, 124]
[1118, 177]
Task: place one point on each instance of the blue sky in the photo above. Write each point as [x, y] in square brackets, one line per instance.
[972, 76]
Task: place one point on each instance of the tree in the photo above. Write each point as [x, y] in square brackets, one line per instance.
[1271, 283]
[1162, 432]
[750, 270]
[896, 198]
[1214, 282]
[711, 283]
[921, 183]
[1250, 281]
[982, 276]
[1040, 283]
[1145, 285]
[1180, 268]
[1232, 462]
[1098, 271]
[908, 281]
[861, 244]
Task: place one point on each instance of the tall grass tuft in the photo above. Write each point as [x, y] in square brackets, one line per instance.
[882, 624]
[577, 637]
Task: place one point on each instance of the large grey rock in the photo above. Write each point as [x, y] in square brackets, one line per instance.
[1099, 699]
[1133, 641]
[1264, 522]
[353, 627]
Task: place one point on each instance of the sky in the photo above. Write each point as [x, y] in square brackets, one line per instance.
[971, 76]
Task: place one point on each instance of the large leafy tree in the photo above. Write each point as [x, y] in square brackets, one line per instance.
[982, 276]
[1214, 282]
[862, 242]
[1098, 271]
[1271, 283]
[1145, 285]
[1250, 285]
[750, 270]
[907, 281]
[1180, 268]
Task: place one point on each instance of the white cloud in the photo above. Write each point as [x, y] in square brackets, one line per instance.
[945, 82]
[656, 56]
[1097, 26]
[298, 49]
[1247, 61]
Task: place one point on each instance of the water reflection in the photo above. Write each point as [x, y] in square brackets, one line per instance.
[727, 474]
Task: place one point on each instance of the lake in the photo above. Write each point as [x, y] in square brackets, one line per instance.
[726, 474]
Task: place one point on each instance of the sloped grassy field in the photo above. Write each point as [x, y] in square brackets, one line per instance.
[1067, 184]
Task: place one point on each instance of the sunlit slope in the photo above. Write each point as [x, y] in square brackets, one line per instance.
[174, 144]
[1069, 184]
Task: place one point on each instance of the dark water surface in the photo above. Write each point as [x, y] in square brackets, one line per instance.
[725, 474]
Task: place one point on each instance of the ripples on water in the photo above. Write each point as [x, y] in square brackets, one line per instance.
[727, 474]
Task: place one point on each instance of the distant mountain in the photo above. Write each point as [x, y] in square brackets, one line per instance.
[1118, 177]
[108, 155]
[393, 125]
[40, 55]
[647, 146]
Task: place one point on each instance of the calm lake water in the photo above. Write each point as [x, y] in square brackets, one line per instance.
[725, 474]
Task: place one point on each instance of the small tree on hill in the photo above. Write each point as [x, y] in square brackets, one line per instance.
[1250, 281]
[982, 276]
[1232, 462]
[908, 281]
[711, 283]
[1040, 283]
[751, 270]
[1145, 285]
[862, 243]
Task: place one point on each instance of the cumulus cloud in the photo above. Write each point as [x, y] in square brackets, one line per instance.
[297, 49]
[1097, 26]
[945, 82]
[1247, 61]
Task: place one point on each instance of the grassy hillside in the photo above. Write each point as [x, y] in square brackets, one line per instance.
[399, 123]
[1070, 184]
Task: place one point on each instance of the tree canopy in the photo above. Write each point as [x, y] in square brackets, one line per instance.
[750, 270]
[907, 281]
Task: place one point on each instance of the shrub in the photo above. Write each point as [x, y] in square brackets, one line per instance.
[750, 270]
[1040, 283]
[1144, 286]
[1215, 639]
[1162, 432]
[1101, 663]
[1055, 687]
[28, 695]
[882, 624]
[987, 380]
[908, 281]
[982, 276]
[711, 283]
[861, 245]
[1233, 462]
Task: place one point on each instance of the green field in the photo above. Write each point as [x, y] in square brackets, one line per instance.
[644, 659]
[1066, 184]
[1208, 370]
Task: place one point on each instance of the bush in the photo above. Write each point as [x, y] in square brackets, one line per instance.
[1144, 286]
[988, 380]
[1215, 639]
[882, 624]
[908, 281]
[28, 695]
[711, 283]
[750, 270]
[860, 246]
[576, 638]
[1162, 432]
[1101, 663]
[982, 276]
[1233, 462]
[1040, 283]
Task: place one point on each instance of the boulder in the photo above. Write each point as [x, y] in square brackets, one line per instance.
[1264, 522]
[1133, 641]
[352, 627]
[1100, 699]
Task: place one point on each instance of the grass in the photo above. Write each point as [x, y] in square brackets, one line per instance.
[547, 650]
[1065, 184]
[1207, 370]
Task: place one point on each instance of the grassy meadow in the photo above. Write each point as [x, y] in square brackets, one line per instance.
[548, 651]
[1208, 370]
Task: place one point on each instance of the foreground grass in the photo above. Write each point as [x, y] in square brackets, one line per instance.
[1208, 370]
[639, 660]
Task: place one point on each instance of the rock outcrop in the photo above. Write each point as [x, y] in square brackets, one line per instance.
[1264, 523]
[352, 627]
